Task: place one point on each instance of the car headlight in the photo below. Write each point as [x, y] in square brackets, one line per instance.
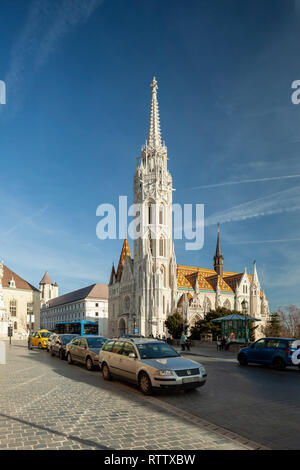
[165, 372]
[202, 370]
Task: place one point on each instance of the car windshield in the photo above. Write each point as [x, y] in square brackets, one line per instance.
[156, 350]
[44, 334]
[66, 339]
[96, 342]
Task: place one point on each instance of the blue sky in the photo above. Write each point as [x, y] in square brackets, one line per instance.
[78, 74]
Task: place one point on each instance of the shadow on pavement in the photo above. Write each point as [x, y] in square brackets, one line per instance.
[57, 433]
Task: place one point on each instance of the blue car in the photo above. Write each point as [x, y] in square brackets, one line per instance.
[277, 352]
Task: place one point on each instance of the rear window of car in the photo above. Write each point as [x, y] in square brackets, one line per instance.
[96, 342]
[108, 346]
[117, 347]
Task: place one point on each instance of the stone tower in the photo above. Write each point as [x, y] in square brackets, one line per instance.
[49, 289]
[154, 256]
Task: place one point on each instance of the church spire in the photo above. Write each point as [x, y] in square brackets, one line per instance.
[154, 134]
[218, 258]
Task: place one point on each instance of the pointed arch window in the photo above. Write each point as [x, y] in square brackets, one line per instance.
[150, 214]
[161, 247]
[161, 215]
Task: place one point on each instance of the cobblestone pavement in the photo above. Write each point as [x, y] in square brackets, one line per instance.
[46, 403]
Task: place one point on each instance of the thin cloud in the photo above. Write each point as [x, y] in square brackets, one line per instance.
[287, 200]
[256, 180]
[249, 242]
[46, 25]
[24, 221]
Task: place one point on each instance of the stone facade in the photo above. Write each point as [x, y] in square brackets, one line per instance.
[19, 303]
[89, 303]
[147, 288]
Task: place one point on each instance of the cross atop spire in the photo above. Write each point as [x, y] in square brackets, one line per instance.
[154, 135]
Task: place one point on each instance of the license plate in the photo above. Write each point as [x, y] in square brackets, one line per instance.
[190, 379]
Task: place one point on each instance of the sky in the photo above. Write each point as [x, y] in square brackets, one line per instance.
[77, 75]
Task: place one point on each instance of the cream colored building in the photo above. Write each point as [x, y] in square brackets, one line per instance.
[19, 303]
[89, 303]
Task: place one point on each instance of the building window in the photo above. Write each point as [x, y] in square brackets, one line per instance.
[127, 304]
[15, 325]
[161, 247]
[13, 308]
[96, 305]
[150, 215]
[97, 314]
[161, 215]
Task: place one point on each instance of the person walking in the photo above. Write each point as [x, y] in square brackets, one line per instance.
[182, 341]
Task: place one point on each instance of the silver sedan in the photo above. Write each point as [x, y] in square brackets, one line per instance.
[151, 364]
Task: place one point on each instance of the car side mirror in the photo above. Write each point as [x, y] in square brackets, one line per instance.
[132, 355]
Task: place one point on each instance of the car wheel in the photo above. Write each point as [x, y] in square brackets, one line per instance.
[242, 358]
[89, 364]
[279, 363]
[52, 352]
[145, 384]
[61, 355]
[106, 372]
[39, 346]
[70, 359]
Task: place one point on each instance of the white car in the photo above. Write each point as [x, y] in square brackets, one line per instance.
[151, 364]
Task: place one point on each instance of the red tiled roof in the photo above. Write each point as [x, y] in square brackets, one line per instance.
[46, 279]
[20, 283]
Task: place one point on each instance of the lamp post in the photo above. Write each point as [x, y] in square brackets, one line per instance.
[10, 330]
[134, 322]
[245, 312]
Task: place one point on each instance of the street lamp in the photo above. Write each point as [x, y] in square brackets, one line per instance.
[10, 325]
[245, 312]
[134, 322]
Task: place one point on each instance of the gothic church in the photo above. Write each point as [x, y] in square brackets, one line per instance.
[147, 288]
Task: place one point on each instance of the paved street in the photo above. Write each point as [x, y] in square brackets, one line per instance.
[47, 404]
[257, 402]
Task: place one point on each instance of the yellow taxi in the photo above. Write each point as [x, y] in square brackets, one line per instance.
[40, 338]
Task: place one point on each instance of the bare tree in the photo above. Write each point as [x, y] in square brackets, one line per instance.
[290, 321]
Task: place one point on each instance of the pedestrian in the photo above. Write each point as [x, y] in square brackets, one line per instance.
[188, 344]
[182, 341]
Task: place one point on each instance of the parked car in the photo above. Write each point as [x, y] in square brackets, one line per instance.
[150, 363]
[59, 344]
[276, 352]
[131, 336]
[85, 349]
[40, 339]
[49, 342]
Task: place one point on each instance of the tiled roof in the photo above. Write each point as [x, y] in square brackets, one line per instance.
[20, 283]
[125, 252]
[207, 279]
[95, 291]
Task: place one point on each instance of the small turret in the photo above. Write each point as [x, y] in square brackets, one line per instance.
[49, 289]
